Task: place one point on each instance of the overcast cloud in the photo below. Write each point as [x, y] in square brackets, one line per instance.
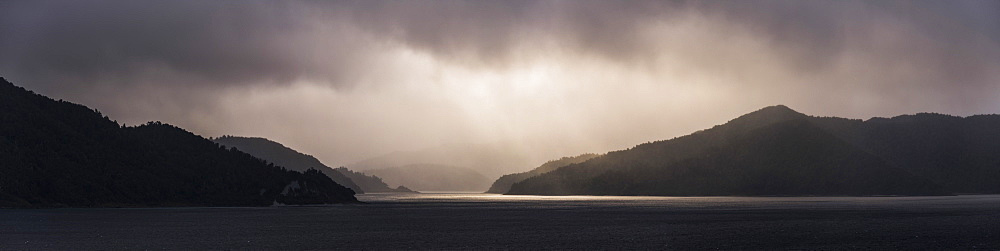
[353, 79]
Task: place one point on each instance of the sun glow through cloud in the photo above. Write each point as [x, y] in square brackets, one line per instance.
[351, 80]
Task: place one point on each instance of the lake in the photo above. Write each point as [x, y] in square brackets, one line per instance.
[482, 221]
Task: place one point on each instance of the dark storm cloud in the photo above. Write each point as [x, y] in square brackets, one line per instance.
[221, 42]
[811, 31]
[491, 31]
[958, 38]
[230, 42]
[392, 75]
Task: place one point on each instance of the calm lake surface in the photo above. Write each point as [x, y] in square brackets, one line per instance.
[478, 221]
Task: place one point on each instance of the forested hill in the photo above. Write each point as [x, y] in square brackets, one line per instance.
[290, 158]
[960, 153]
[286, 157]
[57, 154]
[502, 185]
[773, 151]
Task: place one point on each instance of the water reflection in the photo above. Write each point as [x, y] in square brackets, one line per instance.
[465, 198]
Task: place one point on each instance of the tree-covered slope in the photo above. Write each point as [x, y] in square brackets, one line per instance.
[281, 155]
[502, 185]
[773, 151]
[962, 154]
[56, 153]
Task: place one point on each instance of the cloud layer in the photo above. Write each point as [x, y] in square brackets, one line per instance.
[353, 79]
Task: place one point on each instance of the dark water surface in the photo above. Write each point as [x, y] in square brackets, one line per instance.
[476, 221]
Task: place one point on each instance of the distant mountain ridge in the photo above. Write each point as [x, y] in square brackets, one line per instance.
[283, 156]
[493, 159]
[778, 151]
[431, 177]
[59, 154]
[372, 183]
[290, 158]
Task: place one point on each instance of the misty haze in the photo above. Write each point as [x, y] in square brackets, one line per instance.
[288, 125]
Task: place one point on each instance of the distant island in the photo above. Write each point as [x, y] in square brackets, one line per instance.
[777, 151]
[289, 158]
[61, 154]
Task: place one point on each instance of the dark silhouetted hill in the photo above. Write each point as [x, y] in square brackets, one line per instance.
[961, 154]
[502, 185]
[773, 151]
[56, 153]
[430, 177]
[286, 157]
[283, 156]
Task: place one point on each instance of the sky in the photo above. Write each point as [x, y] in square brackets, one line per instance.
[349, 80]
